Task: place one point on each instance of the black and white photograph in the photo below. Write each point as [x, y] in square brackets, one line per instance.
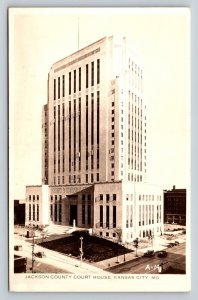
[99, 149]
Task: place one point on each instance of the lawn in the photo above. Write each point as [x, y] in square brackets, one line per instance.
[94, 248]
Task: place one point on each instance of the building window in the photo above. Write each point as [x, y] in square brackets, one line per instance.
[37, 197]
[74, 140]
[74, 81]
[114, 197]
[86, 178]
[69, 135]
[51, 212]
[97, 177]
[63, 85]
[87, 76]
[98, 71]
[107, 216]
[54, 89]
[98, 127]
[33, 216]
[114, 216]
[58, 87]
[37, 212]
[92, 73]
[55, 212]
[30, 212]
[101, 197]
[83, 214]
[59, 132]
[92, 119]
[107, 197]
[92, 178]
[101, 216]
[69, 83]
[60, 213]
[29, 197]
[33, 197]
[89, 214]
[79, 79]
[107, 233]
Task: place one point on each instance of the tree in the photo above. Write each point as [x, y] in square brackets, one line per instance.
[118, 232]
[136, 244]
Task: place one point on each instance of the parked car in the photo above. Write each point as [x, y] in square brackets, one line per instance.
[40, 254]
[162, 253]
[176, 243]
[18, 247]
[149, 253]
[170, 245]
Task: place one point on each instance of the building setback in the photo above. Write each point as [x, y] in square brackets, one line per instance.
[94, 145]
[175, 206]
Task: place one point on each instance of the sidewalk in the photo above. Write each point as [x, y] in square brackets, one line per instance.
[158, 245]
[53, 258]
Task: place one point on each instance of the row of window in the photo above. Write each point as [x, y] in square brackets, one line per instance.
[135, 178]
[107, 197]
[105, 220]
[33, 212]
[73, 81]
[112, 140]
[150, 197]
[56, 212]
[108, 234]
[144, 197]
[33, 197]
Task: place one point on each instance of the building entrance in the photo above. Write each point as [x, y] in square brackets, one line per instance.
[73, 214]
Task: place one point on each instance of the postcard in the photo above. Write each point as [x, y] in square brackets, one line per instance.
[99, 149]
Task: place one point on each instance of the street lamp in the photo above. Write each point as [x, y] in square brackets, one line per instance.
[33, 245]
[81, 249]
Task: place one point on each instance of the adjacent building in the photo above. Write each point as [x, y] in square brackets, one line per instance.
[175, 206]
[19, 212]
[95, 146]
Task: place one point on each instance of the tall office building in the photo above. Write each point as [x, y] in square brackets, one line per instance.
[94, 145]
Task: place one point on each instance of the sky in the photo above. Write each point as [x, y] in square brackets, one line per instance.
[161, 39]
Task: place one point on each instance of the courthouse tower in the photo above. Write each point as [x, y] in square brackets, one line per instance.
[95, 117]
[94, 146]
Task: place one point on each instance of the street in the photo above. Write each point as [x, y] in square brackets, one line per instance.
[150, 265]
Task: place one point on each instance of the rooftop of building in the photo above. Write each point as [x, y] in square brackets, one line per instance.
[78, 51]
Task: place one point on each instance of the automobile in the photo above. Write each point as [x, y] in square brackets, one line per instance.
[149, 253]
[170, 245]
[18, 247]
[40, 254]
[176, 243]
[162, 253]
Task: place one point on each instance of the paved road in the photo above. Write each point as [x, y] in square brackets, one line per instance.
[150, 265]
